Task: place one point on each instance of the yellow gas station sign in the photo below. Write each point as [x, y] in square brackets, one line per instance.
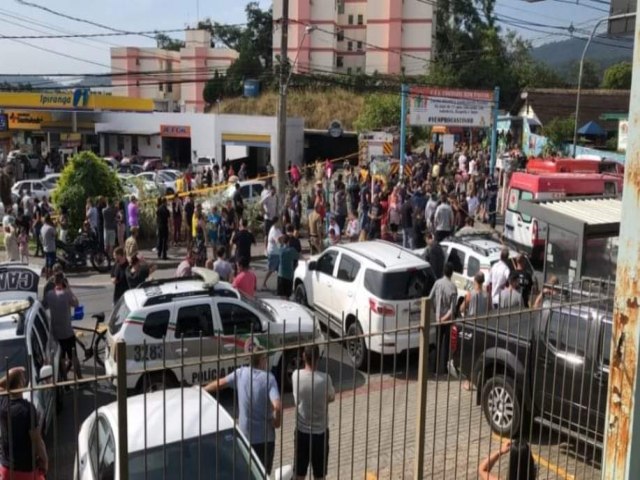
[25, 120]
[80, 99]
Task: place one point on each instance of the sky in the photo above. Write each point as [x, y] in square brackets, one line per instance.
[92, 55]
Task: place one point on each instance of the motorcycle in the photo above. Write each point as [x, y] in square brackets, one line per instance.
[86, 246]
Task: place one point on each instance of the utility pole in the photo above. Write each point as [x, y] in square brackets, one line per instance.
[281, 165]
[622, 423]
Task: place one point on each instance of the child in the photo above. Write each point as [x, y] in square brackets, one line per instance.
[23, 245]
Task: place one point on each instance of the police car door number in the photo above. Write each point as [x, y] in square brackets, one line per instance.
[147, 352]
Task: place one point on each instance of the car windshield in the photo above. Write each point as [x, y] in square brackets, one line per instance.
[170, 175]
[261, 306]
[403, 285]
[14, 354]
[222, 455]
[118, 316]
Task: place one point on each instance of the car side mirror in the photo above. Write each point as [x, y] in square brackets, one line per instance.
[46, 372]
[313, 265]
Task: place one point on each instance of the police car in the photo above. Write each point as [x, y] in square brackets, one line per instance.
[195, 328]
[25, 337]
[205, 444]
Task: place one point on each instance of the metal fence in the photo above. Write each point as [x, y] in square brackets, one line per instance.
[537, 376]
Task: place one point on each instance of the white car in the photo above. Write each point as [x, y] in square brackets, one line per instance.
[179, 433]
[166, 322]
[472, 254]
[165, 183]
[130, 188]
[34, 188]
[25, 337]
[366, 288]
[250, 190]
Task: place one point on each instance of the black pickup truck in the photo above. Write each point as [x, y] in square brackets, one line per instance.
[549, 366]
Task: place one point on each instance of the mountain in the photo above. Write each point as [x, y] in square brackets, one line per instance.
[35, 81]
[603, 51]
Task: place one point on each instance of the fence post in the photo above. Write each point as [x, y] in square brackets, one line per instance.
[121, 381]
[423, 371]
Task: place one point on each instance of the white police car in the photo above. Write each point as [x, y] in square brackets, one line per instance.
[193, 328]
[25, 337]
[205, 444]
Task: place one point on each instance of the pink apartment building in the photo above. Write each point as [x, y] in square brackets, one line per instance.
[350, 36]
[175, 80]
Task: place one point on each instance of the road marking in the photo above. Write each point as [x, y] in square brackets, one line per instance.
[541, 461]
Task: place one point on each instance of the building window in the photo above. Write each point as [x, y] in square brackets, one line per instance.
[340, 36]
[137, 61]
[137, 83]
[161, 86]
[349, 71]
[350, 20]
[359, 46]
[339, 61]
[358, 70]
[350, 46]
[169, 87]
[360, 20]
[341, 7]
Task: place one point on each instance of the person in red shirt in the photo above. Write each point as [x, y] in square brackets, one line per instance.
[246, 281]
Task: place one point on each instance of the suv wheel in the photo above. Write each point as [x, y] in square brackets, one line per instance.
[356, 347]
[501, 406]
[300, 295]
[292, 361]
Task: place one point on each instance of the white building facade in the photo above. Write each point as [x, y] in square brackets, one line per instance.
[352, 36]
[182, 138]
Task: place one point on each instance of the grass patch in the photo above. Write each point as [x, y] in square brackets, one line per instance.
[318, 108]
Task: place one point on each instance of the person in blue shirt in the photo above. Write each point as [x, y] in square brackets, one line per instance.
[213, 225]
[288, 259]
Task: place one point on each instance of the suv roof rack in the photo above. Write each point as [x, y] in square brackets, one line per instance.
[365, 255]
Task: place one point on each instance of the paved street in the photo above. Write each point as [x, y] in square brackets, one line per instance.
[372, 422]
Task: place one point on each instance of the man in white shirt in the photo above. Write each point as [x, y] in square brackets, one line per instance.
[273, 247]
[462, 162]
[443, 219]
[269, 209]
[473, 167]
[498, 277]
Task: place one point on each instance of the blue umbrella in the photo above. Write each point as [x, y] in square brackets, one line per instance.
[593, 129]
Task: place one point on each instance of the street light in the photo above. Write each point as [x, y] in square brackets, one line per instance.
[584, 53]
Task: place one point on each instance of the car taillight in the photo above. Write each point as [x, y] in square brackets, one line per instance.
[381, 308]
[453, 339]
[534, 231]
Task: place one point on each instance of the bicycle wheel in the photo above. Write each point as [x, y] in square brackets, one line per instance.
[100, 348]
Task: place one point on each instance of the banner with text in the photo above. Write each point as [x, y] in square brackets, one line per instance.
[457, 108]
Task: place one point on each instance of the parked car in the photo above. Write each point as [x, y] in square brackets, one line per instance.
[202, 163]
[164, 181]
[366, 288]
[251, 190]
[130, 168]
[34, 188]
[175, 312]
[550, 366]
[25, 337]
[178, 433]
[475, 253]
[153, 164]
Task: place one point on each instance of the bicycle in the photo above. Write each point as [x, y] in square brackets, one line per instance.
[98, 345]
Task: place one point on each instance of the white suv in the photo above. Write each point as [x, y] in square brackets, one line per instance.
[366, 288]
[472, 254]
[193, 328]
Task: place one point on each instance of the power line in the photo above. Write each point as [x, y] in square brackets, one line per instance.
[70, 17]
[88, 35]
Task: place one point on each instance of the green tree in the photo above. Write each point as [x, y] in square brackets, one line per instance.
[85, 176]
[618, 76]
[214, 89]
[590, 74]
[379, 111]
[167, 43]
[558, 131]
[247, 65]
